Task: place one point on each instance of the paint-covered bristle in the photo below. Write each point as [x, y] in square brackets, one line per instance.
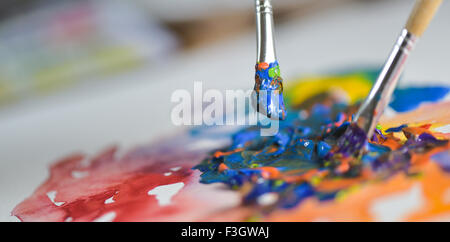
[268, 91]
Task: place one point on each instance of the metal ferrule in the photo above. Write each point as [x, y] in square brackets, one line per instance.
[264, 28]
[372, 108]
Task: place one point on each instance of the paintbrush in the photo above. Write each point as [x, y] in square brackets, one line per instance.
[366, 118]
[268, 90]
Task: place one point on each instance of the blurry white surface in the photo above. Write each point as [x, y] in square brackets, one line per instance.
[135, 108]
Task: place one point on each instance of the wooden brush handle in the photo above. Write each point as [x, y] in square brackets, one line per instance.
[421, 16]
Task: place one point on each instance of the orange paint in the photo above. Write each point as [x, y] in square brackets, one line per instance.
[218, 154]
[222, 167]
[343, 167]
[425, 126]
[263, 65]
[268, 172]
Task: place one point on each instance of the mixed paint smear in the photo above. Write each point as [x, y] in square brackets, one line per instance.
[268, 98]
[306, 159]
[300, 174]
[310, 157]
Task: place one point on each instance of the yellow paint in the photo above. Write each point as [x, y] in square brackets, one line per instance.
[109, 60]
[355, 85]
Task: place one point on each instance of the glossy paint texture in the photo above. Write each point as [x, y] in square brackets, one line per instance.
[300, 174]
[268, 98]
[308, 159]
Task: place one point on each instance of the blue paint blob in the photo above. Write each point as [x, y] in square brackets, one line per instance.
[323, 149]
[443, 159]
[396, 129]
[408, 99]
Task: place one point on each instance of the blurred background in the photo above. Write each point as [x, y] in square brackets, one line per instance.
[84, 74]
[49, 45]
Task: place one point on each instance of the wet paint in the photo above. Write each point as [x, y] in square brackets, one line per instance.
[308, 153]
[146, 184]
[301, 174]
[310, 150]
[268, 96]
[407, 99]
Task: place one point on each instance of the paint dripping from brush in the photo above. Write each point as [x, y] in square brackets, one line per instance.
[267, 98]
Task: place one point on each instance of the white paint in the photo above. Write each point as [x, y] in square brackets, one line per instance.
[267, 199]
[165, 193]
[175, 168]
[52, 195]
[68, 219]
[397, 207]
[167, 173]
[79, 174]
[443, 129]
[109, 200]
[260, 180]
[107, 217]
